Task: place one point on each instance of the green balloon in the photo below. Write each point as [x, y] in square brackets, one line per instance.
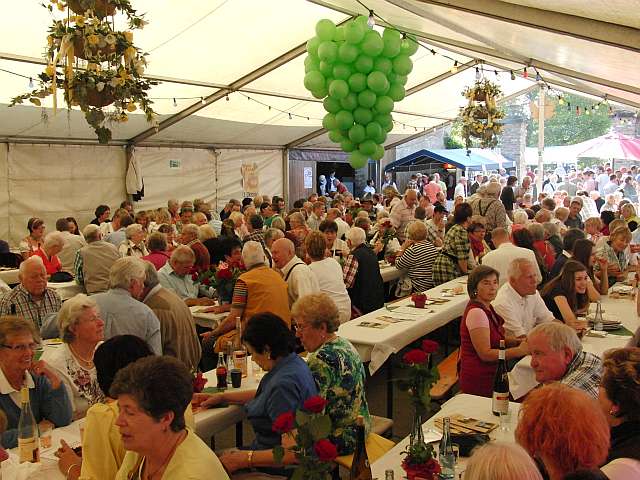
[341, 71]
[380, 139]
[335, 136]
[362, 116]
[338, 89]
[379, 153]
[329, 122]
[385, 121]
[377, 82]
[363, 21]
[402, 64]
[312, 46]
[350, 102]
[357, 133]
[368, 147]
[320, 93]
[339, 35]
[331, 105]
[402, 79]
[347, 53]
[392, 43]
[396, 92]
[358, 82]
[354, 32]
[325, 30]
[374, 130]
[384, 65]
[328, 51]
[313, 81]
[367, 99]
[383, 104]
[357, 160]
[364, 64]
[372, 44]
[325, 68]
[347, 145]
[311, 63]
[344, 120]
[409, 46]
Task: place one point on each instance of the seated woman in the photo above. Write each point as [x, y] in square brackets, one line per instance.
[479, 247]
[335, 365]
[336, 247]
[34, 240]
[285, 387]
[134, 245]
[452, 260]
[568, 294]
[158, 253]
[481, 330]
[298, 232]
[152, 395]
[522, 238]
[616, 251]
[49, 400]
[52, 246]
[385, 240]
[81, 330]
[520, 220]
[328, 273]
[584, 251]
[102, 448]
[579, 441]
[541, 245]
[416, 257]
[501, 461]
[619, 399]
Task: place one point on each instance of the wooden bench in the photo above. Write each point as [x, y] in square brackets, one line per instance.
[448, 370]
[381, 425]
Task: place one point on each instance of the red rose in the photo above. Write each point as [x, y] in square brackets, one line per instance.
[415, 356]
[325, 450]
[224, 274]
[207, 281]
[315, 404]
[421, 470]
[284, 423]
[194, 277]
[241, 266]
[429, 346]
[199, 382]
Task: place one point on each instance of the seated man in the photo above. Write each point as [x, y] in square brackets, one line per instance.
[568, 242]
[94, 261]
[115, 231]
[255, 227]
[300, 279]
[335, 214]
[121, 312]
[177, 328]
[31, 299]
[518, 301]
[176, 275]
[50, 403]
[72, 243]
[361, 273]
[505, 253]
[189, 237]
[557, 356]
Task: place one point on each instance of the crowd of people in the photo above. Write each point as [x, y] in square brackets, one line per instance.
[292, 277]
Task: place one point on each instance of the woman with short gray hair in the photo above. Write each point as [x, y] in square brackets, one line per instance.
[81, 330]
[491, 208]
[134, 245]
[52, 246]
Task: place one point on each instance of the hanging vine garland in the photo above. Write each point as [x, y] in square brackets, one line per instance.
[480, 118]
[94, 64]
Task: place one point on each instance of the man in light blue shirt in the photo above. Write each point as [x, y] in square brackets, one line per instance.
[175, 275]
[121, 220]
[119, 308]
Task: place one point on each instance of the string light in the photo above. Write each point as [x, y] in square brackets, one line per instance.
[226, 97]
[513, 75]
[30, 82]
[202, 101]
[371, 21]
[578, 110]
[586, 111]
[477, 74]
[538, 77]
[525, 74]
[175, 104]
[454, 69]
[495, 72]
[433, 52]
[290, 117]
[560, 100]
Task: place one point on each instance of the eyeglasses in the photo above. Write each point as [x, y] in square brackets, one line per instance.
[23, 347]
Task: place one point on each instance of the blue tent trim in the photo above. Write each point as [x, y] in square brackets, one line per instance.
[457, 157]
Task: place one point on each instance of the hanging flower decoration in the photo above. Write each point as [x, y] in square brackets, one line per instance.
[480, 118]
[95, 65]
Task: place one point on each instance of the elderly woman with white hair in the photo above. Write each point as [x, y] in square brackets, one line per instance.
[134, 245]
[52, 246]
[81, 330]
[417, 256]
[490, 207]
[520, 220]
[501, 461]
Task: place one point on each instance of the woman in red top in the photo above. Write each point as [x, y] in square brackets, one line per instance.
[481, 330]
[53, 244]
[543, 247]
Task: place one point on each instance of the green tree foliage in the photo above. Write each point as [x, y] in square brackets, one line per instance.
[566, 127]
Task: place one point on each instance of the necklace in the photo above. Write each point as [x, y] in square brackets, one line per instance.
[88, 362]
[162, 465]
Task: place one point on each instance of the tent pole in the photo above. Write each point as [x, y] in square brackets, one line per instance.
[285, 176]
[541, 102]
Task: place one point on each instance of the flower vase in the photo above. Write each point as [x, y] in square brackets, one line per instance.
[420, 462]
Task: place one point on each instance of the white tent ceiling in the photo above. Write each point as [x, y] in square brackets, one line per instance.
[255, 49]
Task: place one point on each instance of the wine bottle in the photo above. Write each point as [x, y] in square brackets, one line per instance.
[28, 441]
[445, 452]
[598, 322]
[360, 468]
[239, 351]
[500, 402]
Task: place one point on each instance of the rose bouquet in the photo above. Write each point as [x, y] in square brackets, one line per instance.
[309, 428]
[223, 278]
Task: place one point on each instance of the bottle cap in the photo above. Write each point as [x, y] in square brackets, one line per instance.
[24, 394]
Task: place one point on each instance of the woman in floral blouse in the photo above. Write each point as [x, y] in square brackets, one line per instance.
[81, 329]
[452, 260]
[335, 365]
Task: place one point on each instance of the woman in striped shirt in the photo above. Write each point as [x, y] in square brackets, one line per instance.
[417, 256]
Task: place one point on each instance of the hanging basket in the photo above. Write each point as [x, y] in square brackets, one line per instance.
[487, 134]
[81, 50]
[480, 113]
[101, 99]
[100, 8]
[480, 96]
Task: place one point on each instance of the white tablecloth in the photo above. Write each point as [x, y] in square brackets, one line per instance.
[522, 377]
[66, 290]
[468, 405]
[206, 320]
[389, 273]
[376, 345]
[10, 276]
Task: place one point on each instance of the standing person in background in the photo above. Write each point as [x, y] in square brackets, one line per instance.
[473, 188]
[507, 197]
[452, 260]
[461, 188]
[388, 181]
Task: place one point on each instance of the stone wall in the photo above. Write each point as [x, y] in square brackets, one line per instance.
[514, 140]
[626, 123]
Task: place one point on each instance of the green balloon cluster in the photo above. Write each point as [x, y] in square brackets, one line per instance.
[359, 74]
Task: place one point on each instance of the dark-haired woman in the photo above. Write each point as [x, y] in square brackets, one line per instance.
[285, 387]
[35, 240]
[584, 251]
[522, 238]
[452, 260]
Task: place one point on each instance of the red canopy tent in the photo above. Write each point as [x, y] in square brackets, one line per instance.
[614, 146]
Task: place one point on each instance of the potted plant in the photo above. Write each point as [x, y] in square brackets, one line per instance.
[419, 299]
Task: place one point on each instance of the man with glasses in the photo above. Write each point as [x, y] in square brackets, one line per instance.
[49, 401]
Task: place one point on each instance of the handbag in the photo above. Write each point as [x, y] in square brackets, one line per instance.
[468, 441]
